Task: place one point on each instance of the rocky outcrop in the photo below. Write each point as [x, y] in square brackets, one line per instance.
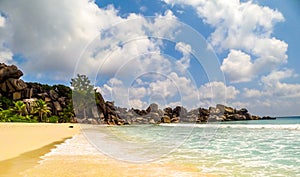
[268, 118]
[10, 83]
[11, 86]
[108, 111]
[7, 72]
[225, 113]
[58, 98]
[179, 114]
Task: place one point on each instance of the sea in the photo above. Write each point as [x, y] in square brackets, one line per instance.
[241, 148]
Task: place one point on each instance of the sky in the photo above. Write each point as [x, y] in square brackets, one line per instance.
[194, 53]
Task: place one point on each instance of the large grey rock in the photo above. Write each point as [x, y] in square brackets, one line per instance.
[153, 107]
[154, 116]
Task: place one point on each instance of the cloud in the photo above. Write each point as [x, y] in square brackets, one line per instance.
[6, 56]
[165, 90]
[218, 92]
[238, 66]
[108, 45]
[276, 95]
[126, 50]
[184, 62]
[274, 77]
[56, 34]
[138, 104]
[61, 32]
[274, 86]
[250, 93]
[244, 27]
[137, 92]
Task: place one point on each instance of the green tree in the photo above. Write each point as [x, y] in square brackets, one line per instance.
[42, 109]
[19, 108]
[67, 114]
[83, 94]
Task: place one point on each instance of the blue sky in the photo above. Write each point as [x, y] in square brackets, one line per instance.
[173, 52]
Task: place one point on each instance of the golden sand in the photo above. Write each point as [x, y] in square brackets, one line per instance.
[22, 146]
[18, 138]
[94, 166]
[14, 166]
[78, 157]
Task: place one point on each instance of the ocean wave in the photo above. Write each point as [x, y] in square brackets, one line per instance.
[250, 126]
[77, 145]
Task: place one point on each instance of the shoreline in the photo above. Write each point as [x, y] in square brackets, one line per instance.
[45, 149]
[16, 165]
[78, 157]
[23, 144]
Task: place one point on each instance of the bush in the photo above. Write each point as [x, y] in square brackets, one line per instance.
[5, 102]
[5, 115]
[18, 118]
[53, 119]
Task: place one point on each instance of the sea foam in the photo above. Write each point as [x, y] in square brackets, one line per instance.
[251, 126]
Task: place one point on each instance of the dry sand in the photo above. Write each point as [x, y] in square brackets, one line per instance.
[17, 138]
[21, 144]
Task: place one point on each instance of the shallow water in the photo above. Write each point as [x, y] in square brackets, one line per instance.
[245, 148]
[77, 157]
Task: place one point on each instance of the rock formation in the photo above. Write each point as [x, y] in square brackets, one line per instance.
[10, 83]
[108, 111]
[12, 87]
[180, 114]
[58, 98]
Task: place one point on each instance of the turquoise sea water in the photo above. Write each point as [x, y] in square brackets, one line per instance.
[244, 148]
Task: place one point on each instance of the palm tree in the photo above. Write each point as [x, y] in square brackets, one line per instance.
[41, 108]
[67, 114]
[19, 107]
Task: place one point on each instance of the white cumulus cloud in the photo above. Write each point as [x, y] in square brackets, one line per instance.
[245, 27]
[238, 66]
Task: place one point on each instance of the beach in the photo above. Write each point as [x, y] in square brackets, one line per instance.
[42, 149]
[23, 143]
[249, 148]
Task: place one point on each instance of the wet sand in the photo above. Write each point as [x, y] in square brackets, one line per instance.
[95, 166]
[14, 166]
[77, 157]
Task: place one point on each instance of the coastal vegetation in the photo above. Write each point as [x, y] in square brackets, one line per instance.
[40, 112]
